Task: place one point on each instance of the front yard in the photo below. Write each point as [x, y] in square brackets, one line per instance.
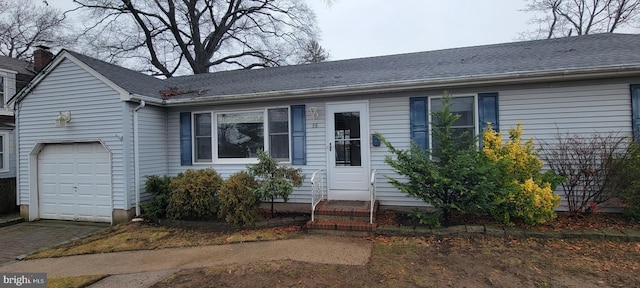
[447, 262]
[478, 261]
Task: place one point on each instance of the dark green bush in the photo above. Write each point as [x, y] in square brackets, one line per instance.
[625, 173]
[194, 195]
[238, 203]
[158, 186]
[451, 177]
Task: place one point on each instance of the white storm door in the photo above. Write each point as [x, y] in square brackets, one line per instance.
[348, 151]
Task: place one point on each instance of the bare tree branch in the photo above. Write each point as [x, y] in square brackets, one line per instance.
[25, 24]
[196, 36]
[562, 18]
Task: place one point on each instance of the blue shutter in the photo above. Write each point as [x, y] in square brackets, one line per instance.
[298, 135]
[185, 138]
[419, 121]
[635, 110]
[488, 111]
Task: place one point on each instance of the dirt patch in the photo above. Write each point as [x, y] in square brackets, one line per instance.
[446, 262]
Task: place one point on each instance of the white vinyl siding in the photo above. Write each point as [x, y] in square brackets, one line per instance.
[97, 115]
[152, 137]
[575, 109]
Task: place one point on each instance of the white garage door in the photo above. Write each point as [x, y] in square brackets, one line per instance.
[74, 182]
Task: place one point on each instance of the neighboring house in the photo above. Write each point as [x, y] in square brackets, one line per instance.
[14, 75]
[116, 126]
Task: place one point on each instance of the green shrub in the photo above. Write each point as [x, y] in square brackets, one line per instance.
[521, 190]
[624, 172]
[194, 195]
[238, 203]
[451, 177]
[274, 181]
[158, 187]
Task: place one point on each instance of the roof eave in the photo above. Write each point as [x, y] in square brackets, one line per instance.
[521, 77]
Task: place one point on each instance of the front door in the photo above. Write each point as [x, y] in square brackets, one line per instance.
[348, 151]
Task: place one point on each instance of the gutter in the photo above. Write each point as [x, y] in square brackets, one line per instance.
[520, 77]
[136, 157]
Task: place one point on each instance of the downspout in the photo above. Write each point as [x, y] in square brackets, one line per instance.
[16, 109]
[136, 158]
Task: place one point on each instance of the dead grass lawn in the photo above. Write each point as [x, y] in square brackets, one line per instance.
[447, 262]
[144, 236]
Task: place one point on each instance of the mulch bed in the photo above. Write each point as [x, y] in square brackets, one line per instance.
[564, 221]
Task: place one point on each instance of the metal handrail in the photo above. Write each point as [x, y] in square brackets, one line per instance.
[317, 191]
[373, 193]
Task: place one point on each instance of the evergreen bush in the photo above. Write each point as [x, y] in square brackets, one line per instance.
[238, 203]
[194, 195]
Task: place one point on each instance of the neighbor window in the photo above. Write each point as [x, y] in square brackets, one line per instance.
[239, 135]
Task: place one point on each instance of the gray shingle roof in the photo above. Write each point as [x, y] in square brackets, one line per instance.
[13, 64]
[129, 80]
[579, 52]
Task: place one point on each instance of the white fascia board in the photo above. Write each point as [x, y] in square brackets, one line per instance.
[522, 77]
[8, 71]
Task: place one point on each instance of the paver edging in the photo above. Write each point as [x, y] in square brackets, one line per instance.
[511, 232]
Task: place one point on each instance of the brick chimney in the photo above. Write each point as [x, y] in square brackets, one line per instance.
[41, 57]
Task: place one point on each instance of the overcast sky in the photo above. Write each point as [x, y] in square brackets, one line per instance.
[354, 29]
[362, 28]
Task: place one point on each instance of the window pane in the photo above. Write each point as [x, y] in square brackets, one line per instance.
[278, 120]
[347, 139]
[462, 106]
[240, 135]
[203, 151]
[203, 148]
[279, 147]
[279, 133]
[203, 124]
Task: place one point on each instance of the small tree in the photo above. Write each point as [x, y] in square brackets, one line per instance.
[273, 180]
[449, 177]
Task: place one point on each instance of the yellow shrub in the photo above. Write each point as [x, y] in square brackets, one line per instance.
[523, 195]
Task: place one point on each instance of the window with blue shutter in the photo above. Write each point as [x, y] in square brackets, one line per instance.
[419, 121]
[298, 135]
[185, 139]
[635, 111]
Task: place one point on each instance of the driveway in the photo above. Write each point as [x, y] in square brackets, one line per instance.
[26, 237]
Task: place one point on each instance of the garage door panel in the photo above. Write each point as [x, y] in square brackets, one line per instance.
[74, 182]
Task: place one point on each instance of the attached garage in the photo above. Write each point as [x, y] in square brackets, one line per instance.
[74, 182]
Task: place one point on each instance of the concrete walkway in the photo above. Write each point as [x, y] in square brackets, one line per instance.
[155, 265]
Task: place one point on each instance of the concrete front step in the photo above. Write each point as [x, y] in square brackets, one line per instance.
[321, 217]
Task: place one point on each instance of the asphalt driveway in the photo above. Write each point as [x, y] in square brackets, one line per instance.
[27, 237]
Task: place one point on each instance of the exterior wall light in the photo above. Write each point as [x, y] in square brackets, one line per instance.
[63, 119]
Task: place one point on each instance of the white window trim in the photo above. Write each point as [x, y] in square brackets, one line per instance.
[5, 152]
[476, 118]
[214, 136]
